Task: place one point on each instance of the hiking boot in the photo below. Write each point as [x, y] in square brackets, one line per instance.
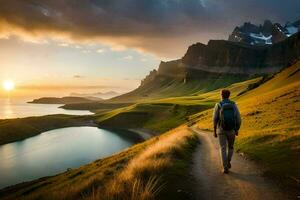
[229, 165]
[225, 170]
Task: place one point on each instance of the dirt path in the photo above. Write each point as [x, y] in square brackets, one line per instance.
[244, 182]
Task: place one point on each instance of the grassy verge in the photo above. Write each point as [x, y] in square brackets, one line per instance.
[145, 171]
[155, 172]
[12, 130]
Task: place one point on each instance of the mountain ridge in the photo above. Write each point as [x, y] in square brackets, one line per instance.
[263, 34]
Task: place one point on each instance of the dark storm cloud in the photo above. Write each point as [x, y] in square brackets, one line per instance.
[163, 27]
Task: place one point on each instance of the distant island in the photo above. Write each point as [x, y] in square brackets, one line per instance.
[64, 100]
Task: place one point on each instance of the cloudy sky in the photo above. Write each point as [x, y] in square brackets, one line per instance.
[112, 44]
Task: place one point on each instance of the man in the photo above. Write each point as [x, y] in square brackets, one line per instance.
[227, 122]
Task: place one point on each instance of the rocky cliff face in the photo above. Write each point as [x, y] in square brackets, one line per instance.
[232, 57]
[150, 77]
[227, 57]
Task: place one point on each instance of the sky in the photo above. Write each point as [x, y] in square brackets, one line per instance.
[62, 46]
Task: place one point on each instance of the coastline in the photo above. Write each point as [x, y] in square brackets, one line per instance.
[13, 130]
[138, 135]
[31, 126]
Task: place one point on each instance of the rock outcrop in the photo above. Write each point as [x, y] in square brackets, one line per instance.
[227, 57]
[265, 34]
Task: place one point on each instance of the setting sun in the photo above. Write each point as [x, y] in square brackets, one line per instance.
[8, 85]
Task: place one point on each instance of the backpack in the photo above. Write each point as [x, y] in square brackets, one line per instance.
[227, 116]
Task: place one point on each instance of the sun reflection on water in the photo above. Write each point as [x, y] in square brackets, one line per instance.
[8, 111]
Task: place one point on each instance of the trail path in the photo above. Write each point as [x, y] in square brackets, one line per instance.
[244, 182]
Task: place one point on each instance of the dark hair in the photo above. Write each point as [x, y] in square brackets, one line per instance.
[225, 94]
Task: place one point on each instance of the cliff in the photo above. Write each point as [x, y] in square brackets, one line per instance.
[226, 57]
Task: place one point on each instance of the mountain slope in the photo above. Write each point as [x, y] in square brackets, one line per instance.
[218, 64]
[163, 87]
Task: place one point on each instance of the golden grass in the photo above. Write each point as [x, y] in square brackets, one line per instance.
[266, 113]
[141, 179]
[266, 109]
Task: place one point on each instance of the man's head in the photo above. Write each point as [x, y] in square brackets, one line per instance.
[225, 94]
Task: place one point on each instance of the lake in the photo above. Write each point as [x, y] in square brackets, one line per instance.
[55, 151]
[10, 108]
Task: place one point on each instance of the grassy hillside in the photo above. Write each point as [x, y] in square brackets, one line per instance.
[166, 113]
[158, 117]
[270, 128]
[209, 98]
[144, 171]
[162, 87]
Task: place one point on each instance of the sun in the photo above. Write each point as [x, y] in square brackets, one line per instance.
[8, 85]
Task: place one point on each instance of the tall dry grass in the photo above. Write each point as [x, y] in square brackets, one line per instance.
[143, 177]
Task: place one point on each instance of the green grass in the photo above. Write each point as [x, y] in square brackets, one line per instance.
[163, 114]
[163, 87]
[271, 149]
[157, 117]
[12, 130]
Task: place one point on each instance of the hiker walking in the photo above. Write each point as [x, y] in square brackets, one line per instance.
[227, 122]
